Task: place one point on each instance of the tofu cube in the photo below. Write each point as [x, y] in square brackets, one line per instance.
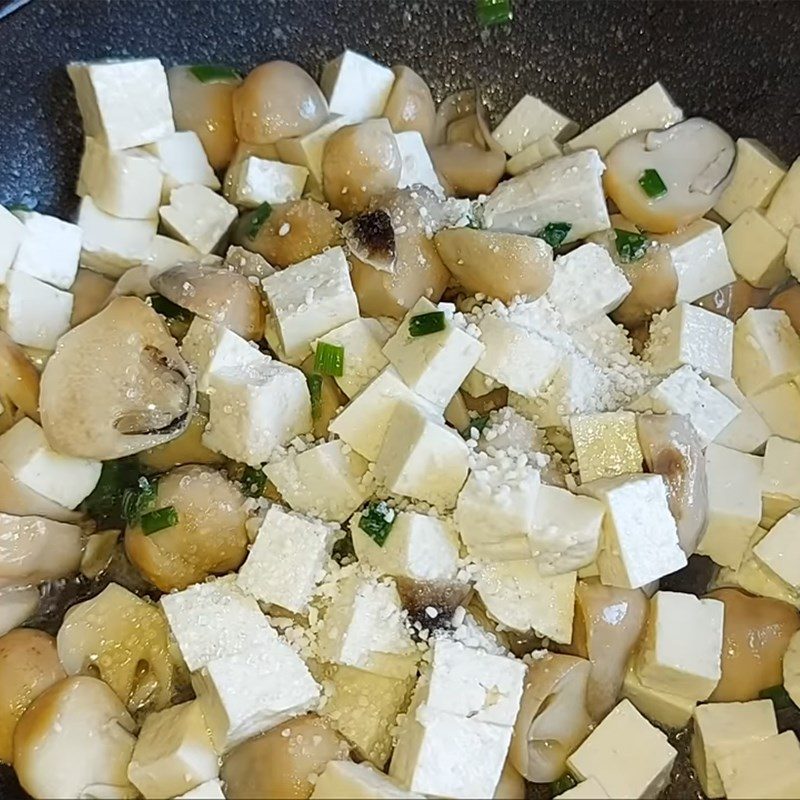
[356, 782]
[124, 183]
[310, 299]
[682, 645]
[65, 480]
[49, 249]
[700, 259]
[123, 103]
[364, 359]
[253, 181]
[12, 232]
[519, 597]
[530, 120]
[784, 208]
[210, 790]
[767, 768]
[663, 708]
[649, 110]
[198, 216]
[640, 540]
[533, 155]
[734, 504]
[256, 408]
[756, 250]
[757, 172]
[778, 550]
[306, 151]
[792, 252]
[419, 547]
[328, 481]
[748, 432]
[287, 560]
[626, 755]
[779, 408]
[433, 365]
[508, 430]
[356, 86]
[780, 479]
[173, 752]
[416, 167]
[606, 444]
[182, 160]
[724, 728]
[33, 313]
[766, 350]
[585, 790]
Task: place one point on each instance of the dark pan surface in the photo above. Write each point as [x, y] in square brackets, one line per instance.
[735, 62]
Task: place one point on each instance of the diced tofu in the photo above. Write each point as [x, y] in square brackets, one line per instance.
[627, 755]
[210, 790]
[183, 162]
[65, 480]
[12, 232]
[779, 408]
[519, 597]
[416, 167]
[606, 444]
[419, 547]
[123, 103]
[640, 540]
[49, 249]
[663, 708]
[342, 779]
[756, 175]
[198, 216]
[34, 313]
[173, 752]
[587, 284]
[565, 189]
[748, 432]
[780, 549]
[724, 728]
[766, 350]
[651, 109]
[356, 86]
[306, 151]
[756, 250]
[585, 790]
[328, 481]
[256, 408]
[792, 253]
[287, 560]
[253, 181]
[125, 183]
[363, 358]
[700, 259]
[784, 208]
[507, 430]
[533, 155]
[310, 299]
[530, 120]
[767, 768]
[780, 479]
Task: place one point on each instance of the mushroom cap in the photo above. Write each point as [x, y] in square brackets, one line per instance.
[468, 170]
[410, 105]
[17, 605]
[370, 238]
[116, 385]
[19, 383]
[91, 291]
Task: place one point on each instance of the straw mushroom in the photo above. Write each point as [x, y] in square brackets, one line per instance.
[188, 448]
[787, 300]
[91, 292]
[370, 237]
[733, 299]
[410, 105]
[467, 169]
[17, 605]
[19, 384]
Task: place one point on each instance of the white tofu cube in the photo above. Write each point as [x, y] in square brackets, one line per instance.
[748, 432]
[530, 120]
[421, 458]
[123, 103]
[766, 350]
[663, 708]
[779, 408]
[757, 172]
[585, 790]
[640, 540]
[416, 167]
[356, 782]
[363, 357]
[253, 181]
[256, 408]
[198, 216]
[606, 444]
[724, 728]
[792, 253]
[734, 504]
[183, 162]
[519, 597]
[779, 549]
[691, 335]
[533, 155]
[248, 693]
[780, 479]
[419, 547]
[12, 231]
[65, 480]
[784, 208]
[328, 481]
[34, 313]
[310, 299]
[210, 790]
[306, 151]
[125, 183]
[508, 430]
[173, 752]
[356, 86]
[49, 249]
[767, 768]
[626, 755]
[287, 560]
[565, 189]
[700, 259]
[756, 250]
[651, 109]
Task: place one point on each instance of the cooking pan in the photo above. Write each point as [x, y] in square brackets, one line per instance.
[737, 63]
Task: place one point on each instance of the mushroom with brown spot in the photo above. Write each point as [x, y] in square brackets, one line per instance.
[410, 105]
[370, 237]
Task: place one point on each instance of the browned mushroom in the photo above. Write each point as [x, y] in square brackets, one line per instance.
[467, 169]
[410, 105]
[735, 298]
[19, 384]
[91, 292]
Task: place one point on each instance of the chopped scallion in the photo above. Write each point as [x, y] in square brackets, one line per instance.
[158, 520]
[652, 184]
[136, 500]
[258, 218]
[563, 784]
[377, 521]
[329, 359]
[315, 392]
[631, 245]
[253, 481]
[554, 233]
[214, 73]
[20, 207]
[493, 12]
[779, 696]
[479, 423]
[424, 324]
[104, 504]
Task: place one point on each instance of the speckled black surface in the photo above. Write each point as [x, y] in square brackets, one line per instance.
[735, 62]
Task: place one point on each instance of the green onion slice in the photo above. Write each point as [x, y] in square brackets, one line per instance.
[214, 73]
[424, 324]
[329, 359]
[493, 12]
[315, 391]
[554, 233]
[564, 783]
[136, 500]
[20, 207]
[158, 520]
[479, 423]
[253, 481]
[259, 217]
[779, 696]
[104, 504]
[631, 246]
[652, 184]
[377, 521]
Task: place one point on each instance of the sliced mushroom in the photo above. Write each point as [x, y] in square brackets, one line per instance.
[91, 292]
[552, 719]
[467, 169]
[208, 539]
[278, 100]
[17, 606]
[28, 666]
[457, 106]
[370, 237]
[17, 499]
[673, 450]
[787, 300]
[465, 130]
[511, 785]
[283, 762]
[410, 105]
[19, 384]
[360, 162]
[694, 160]
[116, 385]
[220, 295]
[75, 740]
[735, 298]
[188, 448]
[331, 399]
[756, 633]
[98, 553]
